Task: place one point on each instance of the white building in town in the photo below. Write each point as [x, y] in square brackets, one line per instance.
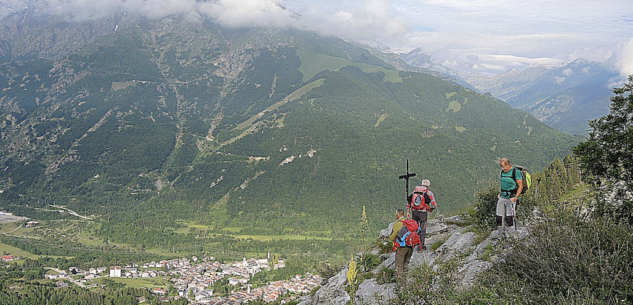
[115, 271]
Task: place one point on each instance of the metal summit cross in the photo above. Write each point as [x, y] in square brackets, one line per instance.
[406, 177]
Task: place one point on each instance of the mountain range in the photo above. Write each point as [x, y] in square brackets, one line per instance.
[148, 122]
[564, 97]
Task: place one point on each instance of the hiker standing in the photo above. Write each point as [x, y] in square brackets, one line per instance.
[511, 188]
[419, 203]
[403, 250]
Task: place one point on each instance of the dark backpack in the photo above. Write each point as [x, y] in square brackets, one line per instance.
[420, 201]
[408, 234]
[526, 177]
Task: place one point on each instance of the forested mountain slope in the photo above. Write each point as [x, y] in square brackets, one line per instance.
[272, 131]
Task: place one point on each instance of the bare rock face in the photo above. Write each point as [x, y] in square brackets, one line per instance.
[479, 250]
[389, 260]
[384, 233]
[333, 292]
[434, 227]
[457, 244]
[456, 220]
[54, 37]
[467, 274]
[371, 293]
[423, 258]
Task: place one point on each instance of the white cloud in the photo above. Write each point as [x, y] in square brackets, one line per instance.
[364, 22]
[247, 12]
[488, 36]
[540, 30]
[232, 13]
[625, 59]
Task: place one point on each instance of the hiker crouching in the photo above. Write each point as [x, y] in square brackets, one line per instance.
[405, 235]
[419, 203]
[511, 188]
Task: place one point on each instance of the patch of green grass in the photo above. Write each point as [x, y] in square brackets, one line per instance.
[450, 94]
[189, 225]
[305, 89]
[138, 282]
[577, 192]
[437, 244]
[380, 119]
[280, 237]
[488, 251]
[385, 275]
[455, 106]
[369, 262]
[88, 240]
[11, 250]
[312, 64]
[232, 229]
[122, 85]
[391, 76]
[460, 128]
[7, 227]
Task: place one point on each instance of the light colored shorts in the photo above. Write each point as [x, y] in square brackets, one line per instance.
[509, 211]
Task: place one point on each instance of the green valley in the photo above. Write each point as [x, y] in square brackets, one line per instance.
[181, 137]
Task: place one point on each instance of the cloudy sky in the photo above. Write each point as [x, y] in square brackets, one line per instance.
[489, 36]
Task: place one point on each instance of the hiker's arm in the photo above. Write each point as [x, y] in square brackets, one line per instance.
[519, 189]
[433, 202]
[394, 231]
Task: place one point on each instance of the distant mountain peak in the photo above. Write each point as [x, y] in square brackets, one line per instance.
[565, 97]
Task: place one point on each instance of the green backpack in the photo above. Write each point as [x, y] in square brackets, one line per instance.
[527, 178]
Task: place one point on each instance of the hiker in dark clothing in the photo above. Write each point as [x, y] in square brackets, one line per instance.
[510, 192]
[420, 203]
[403, 253]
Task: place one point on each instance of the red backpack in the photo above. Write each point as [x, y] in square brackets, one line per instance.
[420, 200]
[408, 234]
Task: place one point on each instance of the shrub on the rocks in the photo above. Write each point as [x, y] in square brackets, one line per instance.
[567, 258]
[484, 208]
[437, 287]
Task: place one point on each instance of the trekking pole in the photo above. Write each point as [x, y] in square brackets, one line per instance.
[406, 178]
[503, 219]
[514, 214]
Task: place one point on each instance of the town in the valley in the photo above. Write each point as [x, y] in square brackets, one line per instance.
[193, 279]
[190, 278]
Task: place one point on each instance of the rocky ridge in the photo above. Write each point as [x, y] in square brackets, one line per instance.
[460, 245]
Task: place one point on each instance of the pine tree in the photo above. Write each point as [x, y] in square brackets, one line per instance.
[607, 154]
